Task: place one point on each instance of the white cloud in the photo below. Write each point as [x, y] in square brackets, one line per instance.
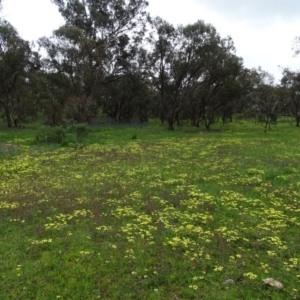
[32, 18]
[258, 12]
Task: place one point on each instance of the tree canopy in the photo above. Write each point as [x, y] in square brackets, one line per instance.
[16, 63]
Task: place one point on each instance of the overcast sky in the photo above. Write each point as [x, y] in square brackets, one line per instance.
[263, 30]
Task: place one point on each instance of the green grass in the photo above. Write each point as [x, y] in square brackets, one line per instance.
[143, 213]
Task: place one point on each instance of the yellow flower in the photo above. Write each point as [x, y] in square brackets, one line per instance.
[218, 268]
[250, 275]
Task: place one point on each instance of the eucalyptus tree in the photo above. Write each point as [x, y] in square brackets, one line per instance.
[187, 62]
[17, 60]
[127, 98]
[53, 89]
[170, 67]
[223, 84]
[291, 82]
[94, 44]
[266, 100]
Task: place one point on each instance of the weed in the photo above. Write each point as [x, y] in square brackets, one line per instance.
[170, 216]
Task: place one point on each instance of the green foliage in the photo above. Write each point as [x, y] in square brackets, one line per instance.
[51, 134]
[193, 70]
[81, 130]
[17, 60]
[291, 93]
[98, 42]
[58, 134]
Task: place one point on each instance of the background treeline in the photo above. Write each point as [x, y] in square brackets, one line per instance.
[111, 58]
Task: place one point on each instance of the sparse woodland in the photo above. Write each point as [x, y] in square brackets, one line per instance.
[112, 59]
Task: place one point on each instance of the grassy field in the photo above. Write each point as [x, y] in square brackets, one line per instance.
[143, 213]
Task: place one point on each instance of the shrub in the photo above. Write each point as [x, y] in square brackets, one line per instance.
[81, 130]
[51, 134]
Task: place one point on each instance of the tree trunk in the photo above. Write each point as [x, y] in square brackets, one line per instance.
[208, 121]
[171, 125]
[196, 123]
[8, 116]
[177, 120]
[265, 125]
